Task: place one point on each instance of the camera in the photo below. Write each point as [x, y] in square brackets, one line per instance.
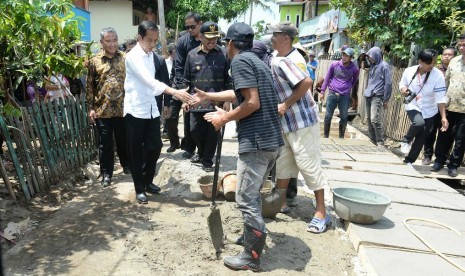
[410, 96]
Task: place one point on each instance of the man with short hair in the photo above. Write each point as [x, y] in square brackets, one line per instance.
[259, 138]
[312, 64]
[447, 54]
[141, 111]
[299, 123]
[206, 69]
[377, 94]
[455, 82]
[340, 79]
[105, 95]
[189, 41]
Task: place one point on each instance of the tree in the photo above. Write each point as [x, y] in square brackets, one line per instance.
[399, 23]
[208, 9]
[36, 39]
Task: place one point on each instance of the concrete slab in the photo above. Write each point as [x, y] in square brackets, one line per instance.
[445, 200]
[352, 142]
[382, 179]
[375, 158]
[335, 156]
[390, 230]
[399, 169]
[442, 174]
[386, 262]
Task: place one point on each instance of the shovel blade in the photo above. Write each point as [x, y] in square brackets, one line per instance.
[216, 228]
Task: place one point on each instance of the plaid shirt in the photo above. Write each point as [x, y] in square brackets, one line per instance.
[302, 113]
[105, 85]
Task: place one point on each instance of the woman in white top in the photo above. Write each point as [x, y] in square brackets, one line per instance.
[424, 89]
[57, 87]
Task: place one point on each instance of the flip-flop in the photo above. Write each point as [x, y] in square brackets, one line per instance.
[318, 225]
[286, 210]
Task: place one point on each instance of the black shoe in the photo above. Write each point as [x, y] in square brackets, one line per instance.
[188, 155]
[126, 170]
[106, 180]
[453, 172]
[153, 189]
[437, 167]
[172, 148]
[196, 158]
[207, 168]
[142, 198]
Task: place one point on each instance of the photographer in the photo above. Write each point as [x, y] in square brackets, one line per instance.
[424, 89]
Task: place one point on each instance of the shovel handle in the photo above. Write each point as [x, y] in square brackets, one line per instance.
[217, 164]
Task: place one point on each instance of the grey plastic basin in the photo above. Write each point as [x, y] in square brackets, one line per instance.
[359, 205]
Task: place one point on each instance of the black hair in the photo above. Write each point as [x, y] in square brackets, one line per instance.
[451, 48]
[427, 55]
[462, 36]
[193, 15]
[146, 26]
[242, 45]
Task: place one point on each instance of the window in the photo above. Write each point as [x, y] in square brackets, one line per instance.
[297, 20]
[288, 17]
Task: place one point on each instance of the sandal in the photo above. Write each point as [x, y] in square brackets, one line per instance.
[318, 225]
[286, 210]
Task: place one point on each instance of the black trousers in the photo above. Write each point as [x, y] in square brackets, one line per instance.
[417, 132]
[455, 134]
[107, 127]
[428, 148]
[205, 137]
[187, 143]
[144, 149]
[172, 122]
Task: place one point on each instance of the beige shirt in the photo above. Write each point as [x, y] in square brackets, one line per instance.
[455, 82]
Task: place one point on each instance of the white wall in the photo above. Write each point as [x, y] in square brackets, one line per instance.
[116, 14]
[269, 16]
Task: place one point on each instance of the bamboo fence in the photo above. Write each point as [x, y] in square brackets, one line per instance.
[46, 143]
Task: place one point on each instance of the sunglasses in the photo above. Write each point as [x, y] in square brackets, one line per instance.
[190, 27]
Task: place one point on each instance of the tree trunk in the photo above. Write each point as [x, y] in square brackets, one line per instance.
[251, 12]
[161, 16]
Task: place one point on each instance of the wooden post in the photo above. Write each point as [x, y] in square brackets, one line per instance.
[161, 17]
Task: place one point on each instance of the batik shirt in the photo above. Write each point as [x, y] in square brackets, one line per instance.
[105, 85]
[455, 82]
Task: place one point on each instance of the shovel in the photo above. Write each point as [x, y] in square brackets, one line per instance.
[214, 219]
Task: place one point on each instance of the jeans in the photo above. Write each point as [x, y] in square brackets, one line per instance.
[374, 108]
[416, 132]
[106, 128]
[253, 169]
[455, 133]
[342, 102]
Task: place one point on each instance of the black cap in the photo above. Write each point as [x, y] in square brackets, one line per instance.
[240, 32]
[210, 29]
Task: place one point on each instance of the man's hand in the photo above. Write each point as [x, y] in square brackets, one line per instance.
[227, 106]
[216, 118]
[445, 124]
[385, 105]
[184, 96]
[166, 112]
[200, 95]
[92, 116]
[403, 91]
[185, 107]
[282, 109]
[321, 97]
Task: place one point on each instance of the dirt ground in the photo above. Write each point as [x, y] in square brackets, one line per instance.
[85, 229]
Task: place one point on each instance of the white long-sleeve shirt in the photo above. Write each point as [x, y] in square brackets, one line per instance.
[428, 98]
[140, 85]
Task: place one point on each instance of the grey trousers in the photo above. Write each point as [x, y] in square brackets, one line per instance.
[253, 169]
[374, 107]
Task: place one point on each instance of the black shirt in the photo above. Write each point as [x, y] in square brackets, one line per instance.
[207, 72]
[262, 129]
[184, 45]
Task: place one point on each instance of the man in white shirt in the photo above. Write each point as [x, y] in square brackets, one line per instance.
[141, 112]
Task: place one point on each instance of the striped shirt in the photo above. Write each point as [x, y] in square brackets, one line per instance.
[303, 113]
[261, 130]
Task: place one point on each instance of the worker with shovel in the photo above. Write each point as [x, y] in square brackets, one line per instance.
[259, 137]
